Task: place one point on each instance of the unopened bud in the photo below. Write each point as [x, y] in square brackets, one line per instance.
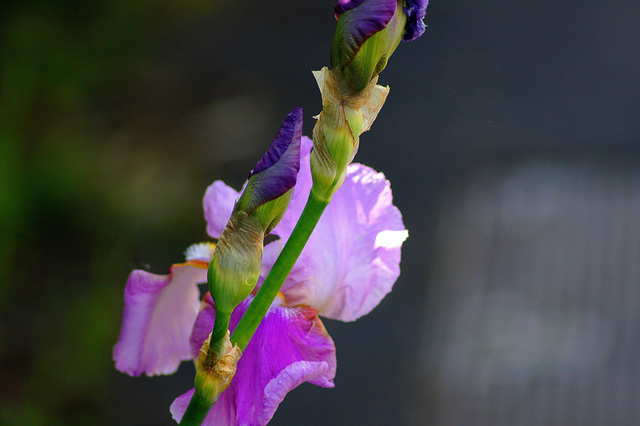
[365, 38]
[368, 32]
[270, 185]
[235, 266]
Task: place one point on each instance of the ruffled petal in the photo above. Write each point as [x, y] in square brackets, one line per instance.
[159, 312]
[290, 347]
[218, 202]
[415, 10]
[179, 406]
[352, 258]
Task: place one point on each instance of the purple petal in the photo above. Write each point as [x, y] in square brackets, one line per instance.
[276, 172]
[352, 258]
[180, 404]
[415, 10]
[290, 347]
[365, 18]
[345, 5]
[290, 131]
[203, 324]
[159, 312]
[218, 201]
[300, 191]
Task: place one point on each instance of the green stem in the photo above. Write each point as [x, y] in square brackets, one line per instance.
[197, 410]
[279, 272]
[220, 328]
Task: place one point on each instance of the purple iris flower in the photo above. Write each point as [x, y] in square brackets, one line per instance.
[349, 264]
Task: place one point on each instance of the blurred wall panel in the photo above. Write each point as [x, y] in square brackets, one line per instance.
[533, 307]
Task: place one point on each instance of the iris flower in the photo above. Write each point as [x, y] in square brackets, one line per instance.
[349, 264]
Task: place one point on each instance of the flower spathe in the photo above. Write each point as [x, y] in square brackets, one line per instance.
[336, 135]
[350, 262]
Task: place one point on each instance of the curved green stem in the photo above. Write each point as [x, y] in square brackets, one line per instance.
[220, 328]
[279, 272]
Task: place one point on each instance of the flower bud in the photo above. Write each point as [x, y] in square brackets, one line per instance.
[270, 185]
[368, 32]
[235, 264]
[415, 10]
[365, 38]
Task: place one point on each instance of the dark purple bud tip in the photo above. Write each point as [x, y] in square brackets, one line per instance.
[277, 170]
[285, 146]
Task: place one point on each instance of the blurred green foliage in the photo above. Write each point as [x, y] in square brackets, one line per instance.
[75, 202]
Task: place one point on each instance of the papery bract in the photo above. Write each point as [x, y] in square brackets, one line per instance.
[336, 135]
